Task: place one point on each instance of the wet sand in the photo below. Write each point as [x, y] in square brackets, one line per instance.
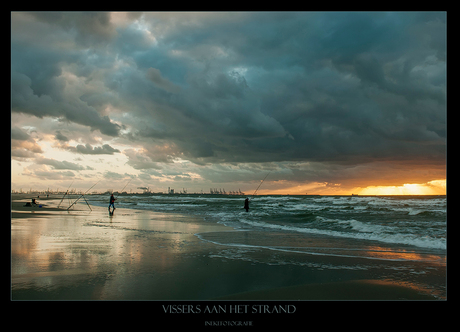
[143, 255]
[348, 290]
[42, 207]
[19, 210]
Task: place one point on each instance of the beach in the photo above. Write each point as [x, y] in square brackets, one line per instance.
[140, 254]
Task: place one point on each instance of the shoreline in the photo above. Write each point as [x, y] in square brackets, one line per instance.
[146, 255]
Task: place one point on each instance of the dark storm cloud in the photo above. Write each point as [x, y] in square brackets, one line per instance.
[155, 76]
[345, 88]
[88, 28]
[299, 86]
[37, 85]
[25, 100]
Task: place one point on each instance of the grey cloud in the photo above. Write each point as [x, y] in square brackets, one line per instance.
[140, 161]
[88, 149]
[24, 100]
[183, 177]
[18, 134]
[145, 177]
[54, 175]
[90, 28]
[29, 145]
[114, 175]
[212, 115]
[21, 154]
[60, 137]
[43, 172]
[59, 164]
[23, 146]
[370, 70]
[155, 76]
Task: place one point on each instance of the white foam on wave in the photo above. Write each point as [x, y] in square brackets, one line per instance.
[363, 232]
[366, 228]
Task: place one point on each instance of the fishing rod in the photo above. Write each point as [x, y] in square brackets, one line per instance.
[67, 191]
[123, 188]
[260, 184]
[83, 195]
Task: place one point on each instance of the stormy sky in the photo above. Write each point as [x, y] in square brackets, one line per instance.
[327, 102]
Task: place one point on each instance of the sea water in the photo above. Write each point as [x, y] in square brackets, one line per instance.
[399, 221]
[398, 238]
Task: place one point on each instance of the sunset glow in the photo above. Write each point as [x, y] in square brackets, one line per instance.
[436, 187]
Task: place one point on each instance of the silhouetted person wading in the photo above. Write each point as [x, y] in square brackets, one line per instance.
[246, 204]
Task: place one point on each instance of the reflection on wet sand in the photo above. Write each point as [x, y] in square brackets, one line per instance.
[68, 250]
[381, 252]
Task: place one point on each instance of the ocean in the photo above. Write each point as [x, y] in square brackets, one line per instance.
[417, 222]
[404, 236]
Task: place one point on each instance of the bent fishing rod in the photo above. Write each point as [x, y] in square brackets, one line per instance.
[83, 195]
[260, 185]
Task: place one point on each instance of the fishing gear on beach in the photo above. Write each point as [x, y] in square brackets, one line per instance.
[67, 191]
[83, 197]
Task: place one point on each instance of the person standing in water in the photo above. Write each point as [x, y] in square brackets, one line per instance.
[112, 203]
[246, 204]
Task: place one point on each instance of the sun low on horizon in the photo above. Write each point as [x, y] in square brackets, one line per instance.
[436, 187]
